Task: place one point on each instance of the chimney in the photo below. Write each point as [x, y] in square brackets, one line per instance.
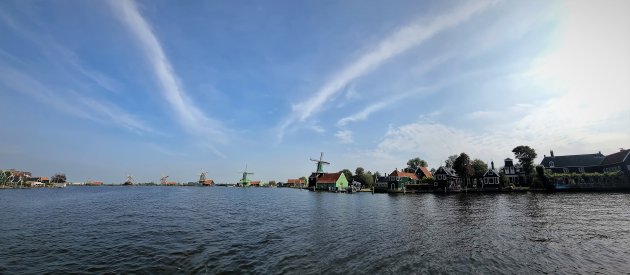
[492, 163]
[551, 152]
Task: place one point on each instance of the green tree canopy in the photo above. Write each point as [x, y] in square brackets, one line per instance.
[450, 162]
[366, 179]
[479, 167]
[415, 163]
[462, 165]
[359, 171]
[58, 178]
[525, 156]
[348, 174]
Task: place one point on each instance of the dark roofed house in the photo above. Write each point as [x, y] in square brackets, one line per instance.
[512, 173]
[446, 178]
[491, 179]
[619, 161]
[572, 163]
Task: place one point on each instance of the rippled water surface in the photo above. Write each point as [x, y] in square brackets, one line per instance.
[228, 230]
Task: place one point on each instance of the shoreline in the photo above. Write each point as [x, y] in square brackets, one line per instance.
[412, 192]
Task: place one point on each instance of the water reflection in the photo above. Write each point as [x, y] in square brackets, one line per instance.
[215, 230]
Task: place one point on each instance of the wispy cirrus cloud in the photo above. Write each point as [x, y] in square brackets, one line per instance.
[400, 41]
[344, 136]
[187, 114]
[69, 102]
[74, 94]
[375, 107]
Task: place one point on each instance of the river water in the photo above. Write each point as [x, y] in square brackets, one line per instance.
[275, 230]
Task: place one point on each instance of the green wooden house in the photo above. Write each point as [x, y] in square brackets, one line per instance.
[331, 182]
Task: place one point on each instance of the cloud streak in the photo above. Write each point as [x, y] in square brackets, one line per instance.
[365, 113]
[70, 102]
[188, 115]
[400, 41]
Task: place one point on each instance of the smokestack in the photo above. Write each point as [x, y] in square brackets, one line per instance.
[551, 152]
[492, 163]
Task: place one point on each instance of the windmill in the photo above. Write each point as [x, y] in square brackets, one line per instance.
[202, 177]
[245, 181]
[129, 180]
[320, 163]
[163, 180]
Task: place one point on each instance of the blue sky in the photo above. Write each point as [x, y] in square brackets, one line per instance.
[102, 89]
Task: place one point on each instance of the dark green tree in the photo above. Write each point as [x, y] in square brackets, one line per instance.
[479, 167]
[450, 161]
[462, 167]
[58, 178]
[541, 179]
[272, 183]
[415, 163]
[348, 174]
[525, 156]
[359, 171]
[366, 179]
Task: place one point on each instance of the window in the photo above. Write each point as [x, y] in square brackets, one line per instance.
[566, 170]
[581, 169]
[551, 164]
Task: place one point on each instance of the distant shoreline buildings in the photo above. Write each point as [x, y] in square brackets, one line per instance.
[567, 172]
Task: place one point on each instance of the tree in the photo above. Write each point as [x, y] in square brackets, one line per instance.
[479, 167]
[4, 176]
[359, 171]
[369, 181]
[415, 163]
[525, 156]
[58, 178]
[541, 179]
[462, 166]
[366, 179]
[272, 183]
[450, 161]
[348, 174]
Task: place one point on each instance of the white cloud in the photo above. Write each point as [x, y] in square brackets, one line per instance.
[482, 114]
[344, 136]
[400, 41]
[72, 103]
[591, 61]
[188, 115]
[380, 105]
[318, 129]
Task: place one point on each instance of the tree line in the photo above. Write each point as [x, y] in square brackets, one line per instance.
[466, 168]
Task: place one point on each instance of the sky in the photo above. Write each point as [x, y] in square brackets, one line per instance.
[104, 89]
